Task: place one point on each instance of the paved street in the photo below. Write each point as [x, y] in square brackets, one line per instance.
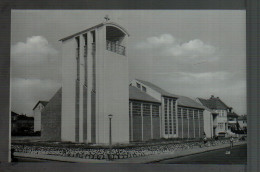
[238, 155]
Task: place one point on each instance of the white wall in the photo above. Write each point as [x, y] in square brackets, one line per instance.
[208, 123]
[68, 90]
[37, 117]
[112, 93]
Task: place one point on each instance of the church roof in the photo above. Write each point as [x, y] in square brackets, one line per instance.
[158, 89]
[188, 102]
[96, 26]
[137, 94]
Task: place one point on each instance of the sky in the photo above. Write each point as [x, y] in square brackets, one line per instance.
[194, 53]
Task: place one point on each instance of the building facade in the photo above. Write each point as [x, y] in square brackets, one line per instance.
[175, 116]
[37, 113]
[219, 111]
[242, 121]
[95, 84]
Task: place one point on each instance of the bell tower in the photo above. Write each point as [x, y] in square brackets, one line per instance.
[95, 85]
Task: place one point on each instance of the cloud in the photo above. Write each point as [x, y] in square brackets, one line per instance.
[35, 73]
[35, 50]
[205, 76]
[35, 58]
[167, 45]
[155, 42]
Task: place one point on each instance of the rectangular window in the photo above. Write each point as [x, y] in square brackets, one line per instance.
[220, 125]
[144, 88]
[138, 85]
[136, 109]
[155, 110]
[179, 113]
[146, 110]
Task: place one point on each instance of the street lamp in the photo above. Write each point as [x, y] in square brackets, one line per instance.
[110, 134]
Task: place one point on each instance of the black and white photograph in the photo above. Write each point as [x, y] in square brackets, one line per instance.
[128, 86]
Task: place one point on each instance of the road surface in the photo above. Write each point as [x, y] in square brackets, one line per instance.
[238, 155]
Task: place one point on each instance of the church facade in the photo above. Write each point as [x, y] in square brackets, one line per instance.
[95, 85]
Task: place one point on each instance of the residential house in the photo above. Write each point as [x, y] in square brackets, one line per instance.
[232, 121]
[242, 121]
[218, 110]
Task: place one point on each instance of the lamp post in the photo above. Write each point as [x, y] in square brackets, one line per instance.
[110, 135]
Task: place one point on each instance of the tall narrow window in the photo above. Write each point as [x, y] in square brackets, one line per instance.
[165, 116]
[94, 60]
[170, 116]
[138, 85]
[77, 56]
[85, 58]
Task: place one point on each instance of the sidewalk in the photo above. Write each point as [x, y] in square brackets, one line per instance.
[143, 159]
[159, 157]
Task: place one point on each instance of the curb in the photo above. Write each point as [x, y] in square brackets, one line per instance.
[143, 159]
[176, 154]
[58, 158]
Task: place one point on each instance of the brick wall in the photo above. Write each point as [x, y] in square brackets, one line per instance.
[201, 123]
[185, 128]
[137, 128]
[196, 122]
[147, 127]
[156, 127]
[191, 128]
[51, 119]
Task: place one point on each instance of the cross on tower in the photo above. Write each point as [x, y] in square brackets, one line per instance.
[107, 17]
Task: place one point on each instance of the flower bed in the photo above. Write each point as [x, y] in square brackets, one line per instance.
[116, 153]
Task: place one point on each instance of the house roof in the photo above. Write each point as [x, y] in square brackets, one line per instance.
[158, 89]
[96, 26]
[213, 103]
[44, 103]
[14, 113]
[137, 94]
[188, 102]
[232, 115]
[244, 117]
[24, 117]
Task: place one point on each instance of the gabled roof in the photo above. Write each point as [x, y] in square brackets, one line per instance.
[44, 103]
[24, 117]
[14, 113]
[244, 117]
[188, 102]
[213, 103]
[232, 115]
[96, 26]
[158, 89]
[137, 94]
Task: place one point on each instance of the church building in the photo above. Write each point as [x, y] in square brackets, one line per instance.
[95, 86]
